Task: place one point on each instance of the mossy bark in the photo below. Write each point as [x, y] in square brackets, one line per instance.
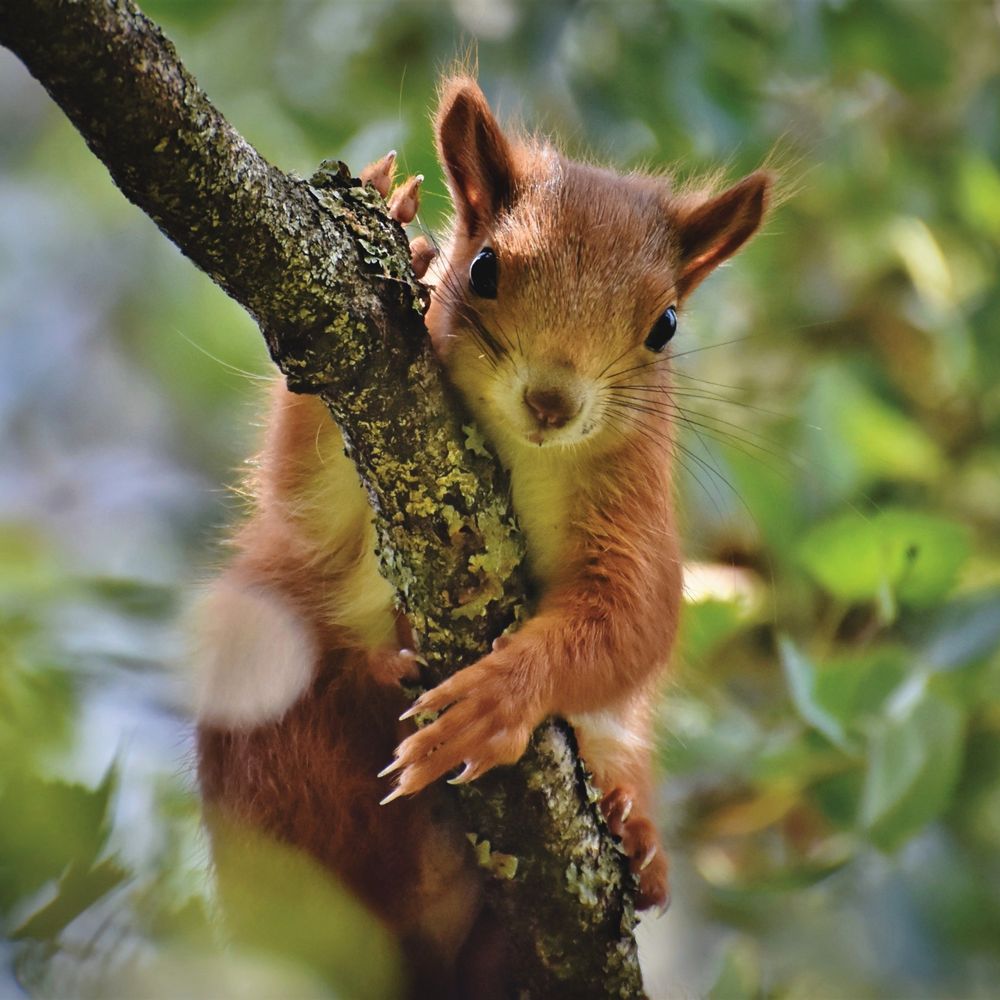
[326, 275]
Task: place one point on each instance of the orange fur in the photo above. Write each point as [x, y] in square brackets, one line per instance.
[556, 371]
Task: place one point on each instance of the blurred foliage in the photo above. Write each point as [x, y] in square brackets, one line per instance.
[831, 738]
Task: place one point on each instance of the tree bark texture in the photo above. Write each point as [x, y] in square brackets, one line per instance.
[326, 275]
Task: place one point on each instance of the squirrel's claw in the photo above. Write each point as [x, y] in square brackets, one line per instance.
[393, 667]
[617, 807]
[394, 794]
[640, 842]
[395, 765]
[421, 255]
[470, 772]
[405, 200]
[654, 880]
[479, 727]
[380, 173]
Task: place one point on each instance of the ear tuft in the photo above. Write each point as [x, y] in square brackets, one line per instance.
[713, 230]
[474, 152]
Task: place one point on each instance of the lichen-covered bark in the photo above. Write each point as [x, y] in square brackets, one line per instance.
[327, 277]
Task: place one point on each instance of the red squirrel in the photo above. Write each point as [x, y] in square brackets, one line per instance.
[553, 304]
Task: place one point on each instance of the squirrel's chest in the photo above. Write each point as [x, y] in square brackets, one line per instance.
[543, 493]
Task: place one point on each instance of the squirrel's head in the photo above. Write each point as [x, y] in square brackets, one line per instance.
[558, 299]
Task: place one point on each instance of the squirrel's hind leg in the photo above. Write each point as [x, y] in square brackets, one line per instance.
[616, 746]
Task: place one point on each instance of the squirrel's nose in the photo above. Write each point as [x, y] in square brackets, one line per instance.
[550, 407]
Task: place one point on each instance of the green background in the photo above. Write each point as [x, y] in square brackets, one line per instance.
[830, 735]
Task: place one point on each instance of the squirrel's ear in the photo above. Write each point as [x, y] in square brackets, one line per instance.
[474, 153]
[711, 231]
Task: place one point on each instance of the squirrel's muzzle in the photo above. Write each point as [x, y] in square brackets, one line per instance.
[551, 407]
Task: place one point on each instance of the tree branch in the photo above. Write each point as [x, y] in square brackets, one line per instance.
[326, 275]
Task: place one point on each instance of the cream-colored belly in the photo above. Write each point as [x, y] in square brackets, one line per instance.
[542, 485]
[338, 516]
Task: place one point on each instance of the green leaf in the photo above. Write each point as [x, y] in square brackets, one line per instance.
[837, 797]
[912, 769]
[965, 630]
[844, 556]
[772, 496]
[917, 556]
[280, 901]
[59, 824]
[979, 193]
[707, 624]
[794, 758]
[79, 888]
[863, 439]
[800, 675]
[854, 688]
[924, 554]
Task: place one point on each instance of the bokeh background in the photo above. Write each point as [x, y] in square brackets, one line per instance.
[830, 737]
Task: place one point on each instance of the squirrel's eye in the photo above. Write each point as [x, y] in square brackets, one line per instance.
[663, 330]
[483, 274]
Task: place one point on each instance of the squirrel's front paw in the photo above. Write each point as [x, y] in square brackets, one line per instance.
[482, 725]
[647, 859]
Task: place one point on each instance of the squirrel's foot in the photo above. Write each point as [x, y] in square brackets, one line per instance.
[421, 255]
[392, 667]
[479, 727]
[380, 173]
[405, 200]
[646, 857]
